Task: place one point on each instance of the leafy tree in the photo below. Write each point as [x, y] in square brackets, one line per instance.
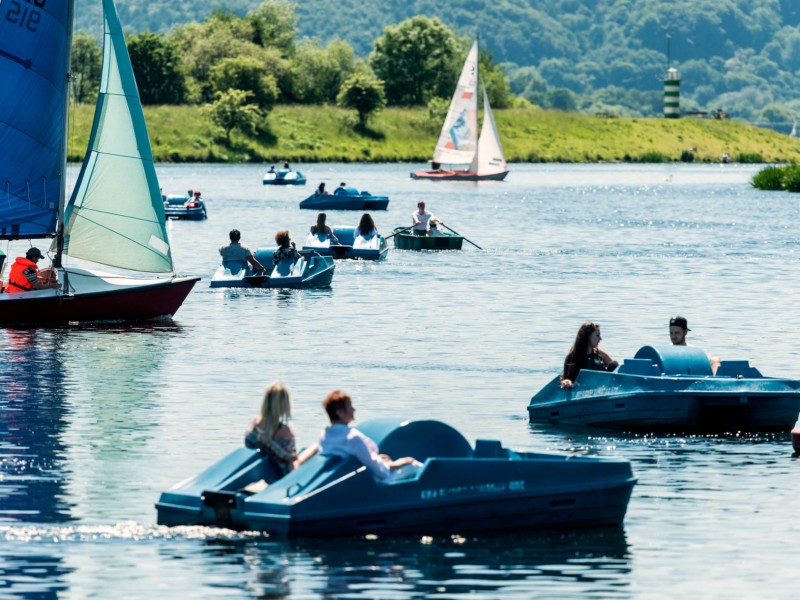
[562, 99]
[318, 73]
[247, 74]
[417, 60]
[274, 25]
[156, 65]
[364, 93]
[87, 58]
[231, 110]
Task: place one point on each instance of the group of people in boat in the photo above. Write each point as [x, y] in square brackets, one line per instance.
[586, 353]
[322, 190]
[285, 167]
[270, 432]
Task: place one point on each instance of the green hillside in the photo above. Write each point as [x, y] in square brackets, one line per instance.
[325, 133]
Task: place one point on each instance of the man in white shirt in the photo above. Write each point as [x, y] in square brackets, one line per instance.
[422, 219]
[339, 439]
[235, 251]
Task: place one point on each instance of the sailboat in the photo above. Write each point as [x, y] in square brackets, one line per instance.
[111, 250]
[793, 132]
[459, 143]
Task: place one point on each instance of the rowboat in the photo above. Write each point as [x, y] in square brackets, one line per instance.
[460, 488]
[406, 239]
[671, 389]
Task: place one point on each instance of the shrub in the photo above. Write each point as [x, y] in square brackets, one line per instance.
[791, 178]
[770, 178]
[753, 158]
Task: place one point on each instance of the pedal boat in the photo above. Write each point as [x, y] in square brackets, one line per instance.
[671, 389]
[310, 270]
[284, 177]
[181, 207]
[459, 489]
[345, 199]
[796, 437]
[372, 247]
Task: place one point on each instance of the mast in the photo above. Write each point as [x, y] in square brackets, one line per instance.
[62, 192]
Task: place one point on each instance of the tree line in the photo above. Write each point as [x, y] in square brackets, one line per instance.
[239, 67]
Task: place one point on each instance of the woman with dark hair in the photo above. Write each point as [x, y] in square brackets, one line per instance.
[366, 227]
[286, 248]
[322, 229]
[586, 354]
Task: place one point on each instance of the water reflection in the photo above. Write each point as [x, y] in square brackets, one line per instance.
[521, 565]
[33, 469]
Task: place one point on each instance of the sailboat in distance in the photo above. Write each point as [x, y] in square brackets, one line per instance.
[459, 144]
[111, 252]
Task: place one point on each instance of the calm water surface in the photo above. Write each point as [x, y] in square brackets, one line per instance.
[96, 421]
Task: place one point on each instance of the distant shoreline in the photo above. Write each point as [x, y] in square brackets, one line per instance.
[183, 134]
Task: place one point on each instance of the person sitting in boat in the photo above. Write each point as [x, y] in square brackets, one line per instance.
[193, 202]
[366, 227]
[678, 328]
[322, 229]
[320, 191]
[339, 439]
[423, 220]
[25, 276]
[342, 189]
[286, 248]
[236, 252]
[270, 431]
[271, 169]
[189, 194]
[586, 354]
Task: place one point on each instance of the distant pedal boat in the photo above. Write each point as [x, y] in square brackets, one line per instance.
[181, 207]
[345, 199]
[308, 271]
[284, 177]
[671, 389]
[372, 247]
[460, 489]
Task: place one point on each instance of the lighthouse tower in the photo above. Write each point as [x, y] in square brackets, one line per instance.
[672, 94]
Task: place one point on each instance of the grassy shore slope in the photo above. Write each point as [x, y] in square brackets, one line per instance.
[327, 134]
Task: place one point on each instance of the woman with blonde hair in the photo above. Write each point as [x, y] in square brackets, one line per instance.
[270, 431]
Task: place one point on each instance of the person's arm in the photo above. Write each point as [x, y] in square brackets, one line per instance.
[374, 462]
[306, 454]
[255, 264]
[609, 363]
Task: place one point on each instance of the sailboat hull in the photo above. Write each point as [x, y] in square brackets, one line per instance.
[457, 176]
[110, 302]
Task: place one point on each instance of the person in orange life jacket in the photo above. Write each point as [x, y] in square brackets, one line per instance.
[193, 202]
[24, 275]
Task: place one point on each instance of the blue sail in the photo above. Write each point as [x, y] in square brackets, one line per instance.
[34, 57]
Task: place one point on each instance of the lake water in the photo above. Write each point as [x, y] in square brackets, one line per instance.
[95, 421]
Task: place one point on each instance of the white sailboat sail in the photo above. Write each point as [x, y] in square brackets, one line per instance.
[793, 132]
[116, 214]
[489, 157]
[458, 139]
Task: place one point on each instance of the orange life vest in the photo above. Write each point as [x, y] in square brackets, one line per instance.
[23, 276]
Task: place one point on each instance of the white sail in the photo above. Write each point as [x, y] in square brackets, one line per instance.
[458, 139]
[793, 132]
[116, 214]
[489, 157]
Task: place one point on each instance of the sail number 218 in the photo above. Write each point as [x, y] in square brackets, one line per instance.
[25, 13]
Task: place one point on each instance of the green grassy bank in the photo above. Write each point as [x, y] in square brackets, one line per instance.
[327, 134]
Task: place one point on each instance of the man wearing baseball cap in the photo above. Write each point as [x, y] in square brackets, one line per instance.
[24, 275]
[678, 328]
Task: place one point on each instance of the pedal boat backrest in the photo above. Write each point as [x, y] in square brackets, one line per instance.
[677, 360]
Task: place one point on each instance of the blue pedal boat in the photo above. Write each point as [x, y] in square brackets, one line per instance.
[671, 389]
[345, 199]
[373, 247]
[284, 177]
[310, 270]
[181, 207]
[460, 489]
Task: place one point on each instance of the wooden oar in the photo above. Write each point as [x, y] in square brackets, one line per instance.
[396, 232]
[454, 231]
